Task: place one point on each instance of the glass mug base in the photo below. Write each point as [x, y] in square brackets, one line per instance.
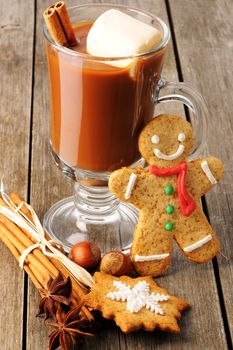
[66, 224]
[92, 213]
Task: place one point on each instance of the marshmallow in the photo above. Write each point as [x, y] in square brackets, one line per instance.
[115, 34]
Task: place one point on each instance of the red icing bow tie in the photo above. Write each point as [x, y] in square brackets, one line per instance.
[187, 203]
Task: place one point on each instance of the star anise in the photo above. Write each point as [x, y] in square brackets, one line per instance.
[57, 292]
[69, 329]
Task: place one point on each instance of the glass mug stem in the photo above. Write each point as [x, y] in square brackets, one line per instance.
[94, 202]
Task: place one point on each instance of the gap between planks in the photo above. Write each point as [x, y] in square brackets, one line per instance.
[26, 280]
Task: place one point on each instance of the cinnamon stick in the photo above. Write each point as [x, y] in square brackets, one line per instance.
[27, 242]
[32, 277]
[43, 273]
[61, 10]
[77, 291]
[32, 267]
[59, 26]
[18, 238]
[42, 278]
[17, 201]
[54, 26]
[57, 266]
[82, 290]
[16, 254]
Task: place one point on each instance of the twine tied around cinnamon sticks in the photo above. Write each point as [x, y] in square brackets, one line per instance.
[35, 229]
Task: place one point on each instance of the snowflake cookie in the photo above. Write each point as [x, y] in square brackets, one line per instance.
[135, 303]
[167, 194]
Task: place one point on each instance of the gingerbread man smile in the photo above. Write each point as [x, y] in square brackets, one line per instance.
[155, 139]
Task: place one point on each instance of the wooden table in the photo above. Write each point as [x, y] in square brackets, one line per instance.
[201, 52]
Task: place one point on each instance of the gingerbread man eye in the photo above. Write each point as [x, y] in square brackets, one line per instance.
[181, 137]
[155, 139]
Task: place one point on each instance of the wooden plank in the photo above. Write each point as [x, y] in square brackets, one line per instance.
[185, 279]
[204, 38]
[48, 185]
[195, 283]
[43, 173]
[16, 43]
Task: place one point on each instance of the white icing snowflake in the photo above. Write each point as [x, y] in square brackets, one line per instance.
[138, 297]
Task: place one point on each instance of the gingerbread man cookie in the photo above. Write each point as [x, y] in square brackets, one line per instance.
[167, 195]
[135, 303]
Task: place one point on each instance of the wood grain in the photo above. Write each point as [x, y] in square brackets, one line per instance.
[48, 184]
[195, 283]
[198, 282]
[16, 42]
[46, 181]
[205, 52]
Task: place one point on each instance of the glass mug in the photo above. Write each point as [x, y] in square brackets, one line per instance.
[98, 108]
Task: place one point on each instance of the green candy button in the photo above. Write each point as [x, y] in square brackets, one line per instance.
[168, 190]
[170, 209]
[169, 226]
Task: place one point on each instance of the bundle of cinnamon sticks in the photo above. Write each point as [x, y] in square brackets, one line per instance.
[38, 266]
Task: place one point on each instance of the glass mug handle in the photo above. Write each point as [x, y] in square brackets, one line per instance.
[190, 97]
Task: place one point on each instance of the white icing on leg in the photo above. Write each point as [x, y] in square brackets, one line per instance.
[207, 171]
[151, 257]
[172, 156]
[197, 244]
[130, 185]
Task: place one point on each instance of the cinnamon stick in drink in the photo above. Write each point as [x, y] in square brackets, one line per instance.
[54, 26]
[59, 26]
[61, 10]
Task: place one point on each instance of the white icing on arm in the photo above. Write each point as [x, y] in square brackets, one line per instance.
[197, 244]
[172, 156]
[130, 185]
[207, 171]
[151, 257]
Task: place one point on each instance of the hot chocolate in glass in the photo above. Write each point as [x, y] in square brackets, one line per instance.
[99, 105]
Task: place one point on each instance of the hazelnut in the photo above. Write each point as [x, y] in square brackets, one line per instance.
[116, 264]
[86, 254]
